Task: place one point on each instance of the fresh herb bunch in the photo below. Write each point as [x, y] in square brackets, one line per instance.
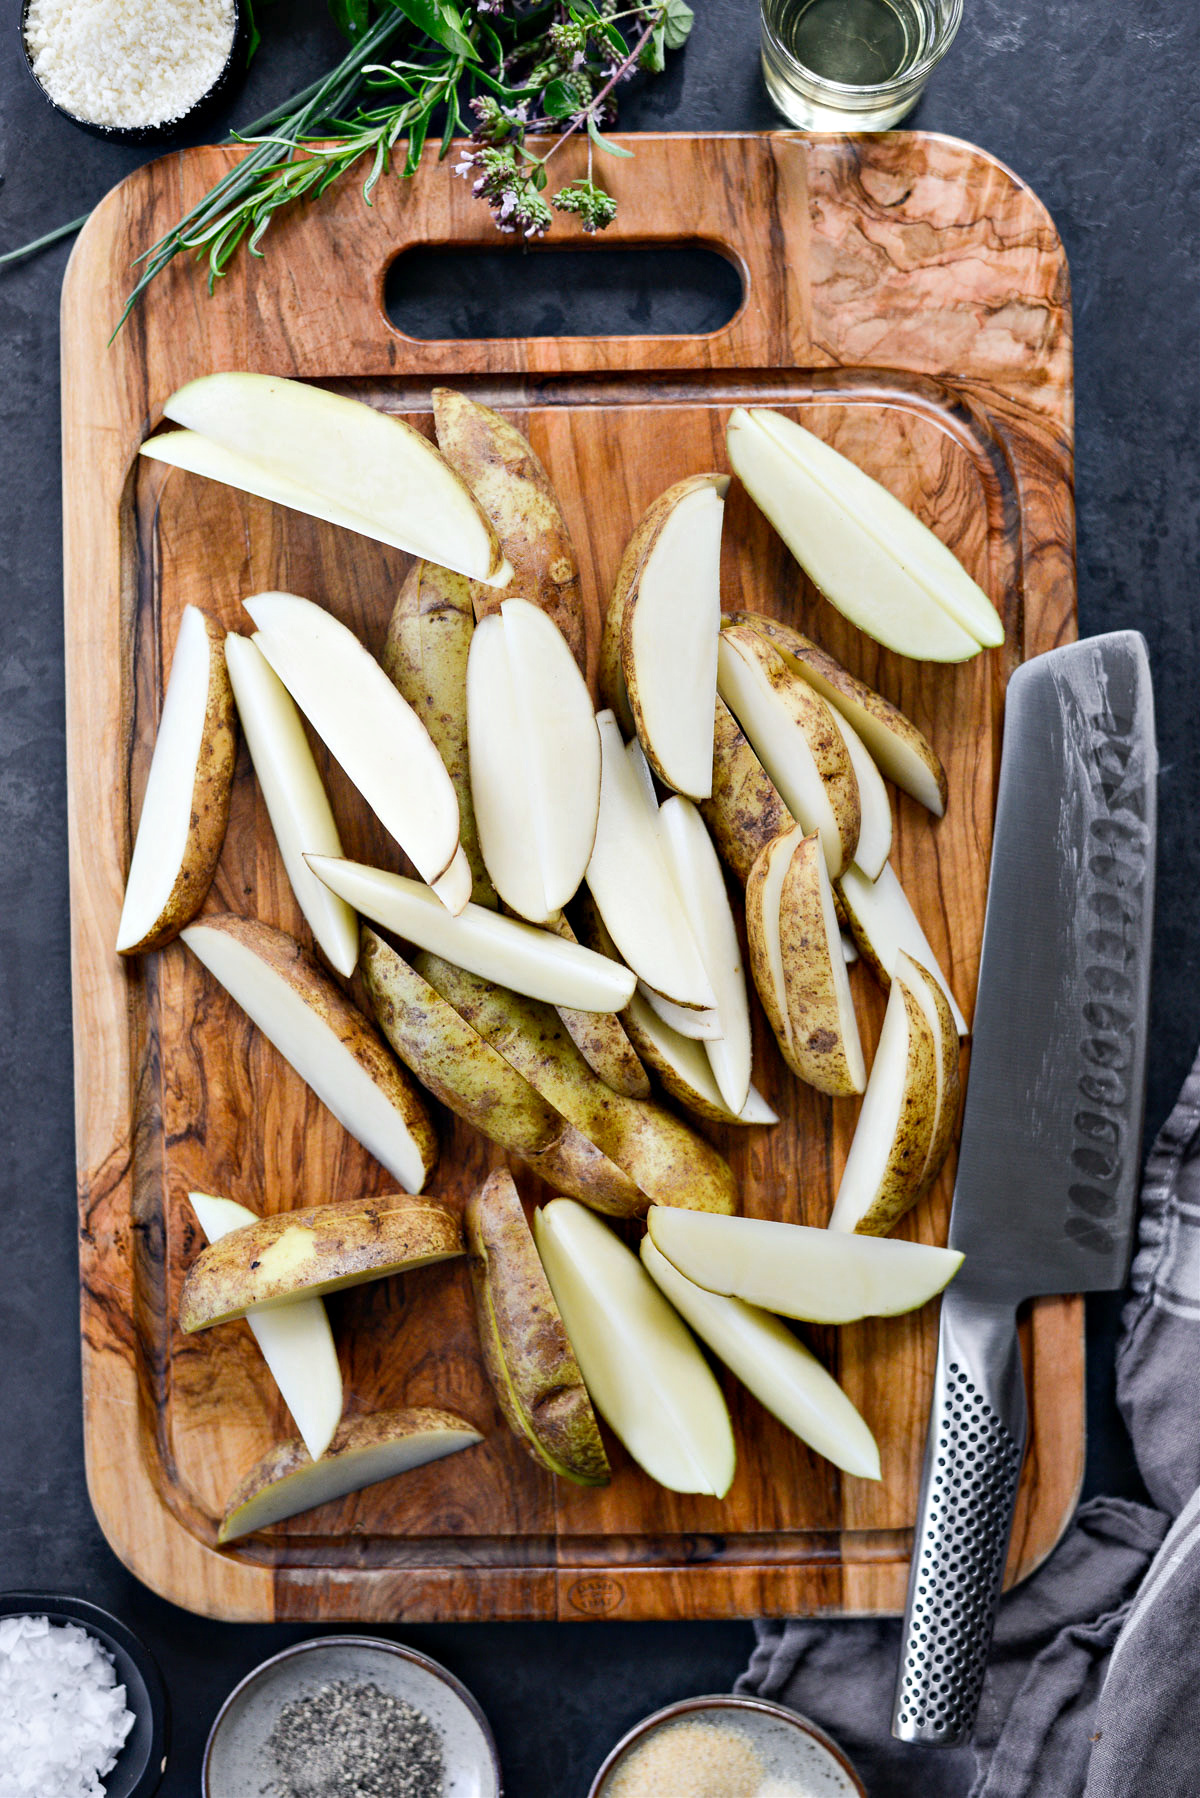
[514, 74]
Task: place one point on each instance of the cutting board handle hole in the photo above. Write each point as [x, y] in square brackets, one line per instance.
[524, 291]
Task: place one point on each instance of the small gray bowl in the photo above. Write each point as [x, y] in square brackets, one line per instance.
[788, 1742]
[236, 1760]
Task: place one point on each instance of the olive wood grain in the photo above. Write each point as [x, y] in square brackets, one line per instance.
[908, 298]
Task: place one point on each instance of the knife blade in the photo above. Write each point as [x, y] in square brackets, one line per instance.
[1051, 1137]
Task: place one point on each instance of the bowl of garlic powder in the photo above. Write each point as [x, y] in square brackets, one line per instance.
[135, 71]
[725, 1746]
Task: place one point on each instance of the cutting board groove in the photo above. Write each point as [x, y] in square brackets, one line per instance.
[907, 297]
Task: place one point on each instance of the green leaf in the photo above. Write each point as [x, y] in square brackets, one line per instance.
[440, 22]
[416, 143]
[351, 17]
[559, 100]
[604, 143]
[678, 23]
[653, 58]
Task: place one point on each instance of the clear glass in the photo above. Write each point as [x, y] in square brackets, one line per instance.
[852, 65]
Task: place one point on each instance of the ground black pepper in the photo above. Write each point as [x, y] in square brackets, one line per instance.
[350, 1740]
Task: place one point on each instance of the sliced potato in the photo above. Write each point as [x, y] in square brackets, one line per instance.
[745, 811]
[931, 996]
[697, 1026]
[499, 465]
[364, 1451]
[669, 1163]
[847, 552]
[684, 1069]
[883, 924]
[645, 1374]
[795, 736]
[799, 967]
[275, 1260]
[536, 962]
[526, 1349]
[186, 804]
[899, 749]
[295, 1341]
[884, 1172]
[781, 1373]
[822, 1276]
[325, 1038]
[602, 1040]
[425, 658]
[669, 601]
[335, 458]
[365, 724]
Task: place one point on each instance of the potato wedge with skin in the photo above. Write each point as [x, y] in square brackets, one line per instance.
[295, 1341]
[799, 967]
[526, 1350]
[670, 609]
[335, 458]
[365, 1450]
[884, 1172]
[326, 1039]
[883, 923]
[901, 752]
[646, 1376]
[478, 1084]
[294, 794]
[684, 1071]
[668, 1162]
[796, 738]
[186, 804]
[774, 1365]
[367, 727]
[305, 1254]
[601, 1038]
[425, 658]
[821, 1276]
[930, 995]
[745, 811]
[509, 482]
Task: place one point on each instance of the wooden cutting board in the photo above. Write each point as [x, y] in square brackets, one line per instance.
[908, 299]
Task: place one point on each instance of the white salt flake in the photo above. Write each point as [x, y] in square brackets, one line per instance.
[63, 1717]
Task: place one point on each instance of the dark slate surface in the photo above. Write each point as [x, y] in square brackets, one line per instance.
[1095, 103]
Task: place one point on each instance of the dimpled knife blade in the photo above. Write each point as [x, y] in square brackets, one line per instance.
[1051, 1138]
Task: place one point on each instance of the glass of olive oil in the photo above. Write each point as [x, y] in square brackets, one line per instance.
[852, 65]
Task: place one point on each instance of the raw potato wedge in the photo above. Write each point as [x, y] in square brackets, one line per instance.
[476, 1083]
[526, 1349]
[884, 1172]
[325, 1038]
[795, 736]
[699, 1025]
[843, 536]
[537, 962]
[366, 726]
[883, 924]
[186, 804]
[365, 1450]
[900, 750]
[771, 1363]
[509, 482]
[668, 601]
[799, 967]
[745, 811]
[294, 794]
[335, 458]
[684, 1069]
[601, 1038]
[646, 1376]
[669, 1163]
[931, 997]
[295, 1341]
[274, 1261]
[822, 1276]
[425, 658]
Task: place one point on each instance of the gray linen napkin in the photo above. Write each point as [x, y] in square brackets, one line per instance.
[1093, 1689]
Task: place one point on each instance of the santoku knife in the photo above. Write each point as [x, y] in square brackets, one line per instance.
[1051, 1138]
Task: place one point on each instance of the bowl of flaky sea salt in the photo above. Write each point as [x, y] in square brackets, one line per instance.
[83, 1713]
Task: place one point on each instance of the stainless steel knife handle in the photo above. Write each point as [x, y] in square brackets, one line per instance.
[972, 1464]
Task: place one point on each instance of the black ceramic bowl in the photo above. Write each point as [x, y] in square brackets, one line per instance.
[210, 102]
[141, 1761]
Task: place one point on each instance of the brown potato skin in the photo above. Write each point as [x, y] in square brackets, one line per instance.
[668, 1162]
[745, 811]
[603, 1041]
[526, 1350]
[904, 1182]
[354, 1240]
[500, 467]
[211, 792]
[425, 658]
[951, 1055]
[672, 1085]
[284, 955]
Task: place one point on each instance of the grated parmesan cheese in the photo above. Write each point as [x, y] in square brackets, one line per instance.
[63, 1719]
[127, 63]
